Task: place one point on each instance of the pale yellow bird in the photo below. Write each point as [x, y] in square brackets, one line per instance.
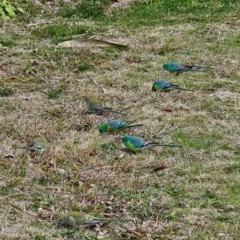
[96, 106]
[39, 145]
[80, 219]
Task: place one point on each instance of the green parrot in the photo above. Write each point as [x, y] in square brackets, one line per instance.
[175, 67]
[116, 126]
[95, 106]
[39, 145]
[166, 86]
[79, 219]
[137, 144]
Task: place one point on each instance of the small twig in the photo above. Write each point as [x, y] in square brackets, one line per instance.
[21, 210]
[94, 81]
[9, 196]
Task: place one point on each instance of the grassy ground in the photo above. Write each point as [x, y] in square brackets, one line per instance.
[196, 195]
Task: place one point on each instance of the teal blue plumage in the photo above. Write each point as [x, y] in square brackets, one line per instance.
[115, 126]
[137, 144]
[177, 68]
[166, 86]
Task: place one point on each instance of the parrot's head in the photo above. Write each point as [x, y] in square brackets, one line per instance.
[63, 219]
[165, 66]
[154, 87]
[125, 138]
[103, 128]
[85, 98]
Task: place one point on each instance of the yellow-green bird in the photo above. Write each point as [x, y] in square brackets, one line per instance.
[137, 144]
[115, 126]
[39, 145]
[80, 219]
[95, 106]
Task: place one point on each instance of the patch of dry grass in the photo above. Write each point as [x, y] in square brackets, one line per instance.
[197, 194]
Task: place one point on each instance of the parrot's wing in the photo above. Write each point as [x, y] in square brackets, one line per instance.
[115, 124]
[72, 221]
[138, 142]
[104, 109]
[124, 123]
[40, 144]
[186, 67]
[41, 141]
[176, 66]
[34, 147]
[161, 84]
[128, 122]
[92, 222]
[172, 85]
[150, 144]
[92, 106]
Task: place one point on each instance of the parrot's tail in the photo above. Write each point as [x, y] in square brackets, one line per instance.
[170, 145]
[111, 219]
[153, 144]
[199, 68]
[136, 125]
[184, 89]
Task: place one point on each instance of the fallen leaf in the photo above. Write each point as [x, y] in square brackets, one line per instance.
[93, 153]
[134, 234]
[35, 63]
[167, 110]
[9, 156]
[159, 168]
[89, 43]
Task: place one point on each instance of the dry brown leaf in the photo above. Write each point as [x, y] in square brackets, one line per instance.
[9, 156]
[159, 168]
[93, 153]
[167, 110]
